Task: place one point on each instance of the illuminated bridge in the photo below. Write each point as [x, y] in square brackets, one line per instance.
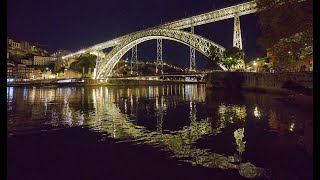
[170, 31]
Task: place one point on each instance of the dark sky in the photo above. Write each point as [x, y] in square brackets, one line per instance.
[72, 25]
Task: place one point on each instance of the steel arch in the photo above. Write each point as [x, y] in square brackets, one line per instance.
[201, 44]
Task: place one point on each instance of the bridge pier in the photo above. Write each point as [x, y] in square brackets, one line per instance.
[237, 40]
[134, 59]
[192, 53]
[100, 56]
[159, 63]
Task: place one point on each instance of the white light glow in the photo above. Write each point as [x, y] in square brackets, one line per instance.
[257, 113]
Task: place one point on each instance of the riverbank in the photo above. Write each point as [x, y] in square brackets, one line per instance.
[92, 82]
[132, 82]
[279, 83]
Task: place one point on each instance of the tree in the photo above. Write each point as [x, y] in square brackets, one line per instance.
[145, 69]
[233, 56]
[51, 66]
[85, 60]
[59, 63]
[287, 26]
[235, 53]
[214, 59]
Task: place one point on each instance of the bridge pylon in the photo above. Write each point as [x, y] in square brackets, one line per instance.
[100, 57]
[237, 40]
[159, 63]
[192, 53]
[134, 60]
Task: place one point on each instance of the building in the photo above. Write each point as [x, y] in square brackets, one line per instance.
[37, 74]
[29, 72]
[21, 71]
[43, 60]
[26, 46]
[239, 66]
[23, 47]
[48, 75]
[11, 70]
[26, 61]
[260, 65]
[14, 44]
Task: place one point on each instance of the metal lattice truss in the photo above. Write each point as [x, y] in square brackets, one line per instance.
[192, 55]
[134, 59]
[201, 44]
[159, 63]
[237, 40]
[213, 16]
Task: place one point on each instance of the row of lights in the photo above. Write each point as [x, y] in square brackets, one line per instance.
[83, 51]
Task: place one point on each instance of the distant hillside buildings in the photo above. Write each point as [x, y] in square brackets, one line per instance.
[24, 47]
[28, 61]
[43, 60]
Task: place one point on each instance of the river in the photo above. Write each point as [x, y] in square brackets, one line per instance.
[155, 132]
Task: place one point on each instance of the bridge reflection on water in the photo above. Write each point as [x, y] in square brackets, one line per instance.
[173, 118]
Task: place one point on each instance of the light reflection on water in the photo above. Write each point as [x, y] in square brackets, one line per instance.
[173, 118]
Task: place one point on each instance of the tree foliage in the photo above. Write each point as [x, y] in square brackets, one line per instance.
[214, 58]
[235, 53]
[85, 60]
[232, 57]
[51, 66]
[228, 62]
[287, 26]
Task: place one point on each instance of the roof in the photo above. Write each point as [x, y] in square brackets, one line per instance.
[10, 64]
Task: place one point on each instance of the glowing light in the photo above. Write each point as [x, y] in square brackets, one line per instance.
[291, 128]
[257, 113]
[238, 135]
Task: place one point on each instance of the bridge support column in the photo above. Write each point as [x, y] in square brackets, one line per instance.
[100, 57]
[192, 54]
[159, 63]
[134, 59]
[237, 40]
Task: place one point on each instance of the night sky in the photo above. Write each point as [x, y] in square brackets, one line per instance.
[72, 25]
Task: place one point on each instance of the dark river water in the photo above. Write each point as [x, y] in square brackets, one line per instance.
[155, 132]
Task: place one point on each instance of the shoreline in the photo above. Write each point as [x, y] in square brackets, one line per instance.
[91, 83]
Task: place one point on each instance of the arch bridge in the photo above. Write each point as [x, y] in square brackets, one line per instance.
[170, 31]
[106, 64]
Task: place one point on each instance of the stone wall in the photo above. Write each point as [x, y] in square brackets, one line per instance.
[277, 82]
